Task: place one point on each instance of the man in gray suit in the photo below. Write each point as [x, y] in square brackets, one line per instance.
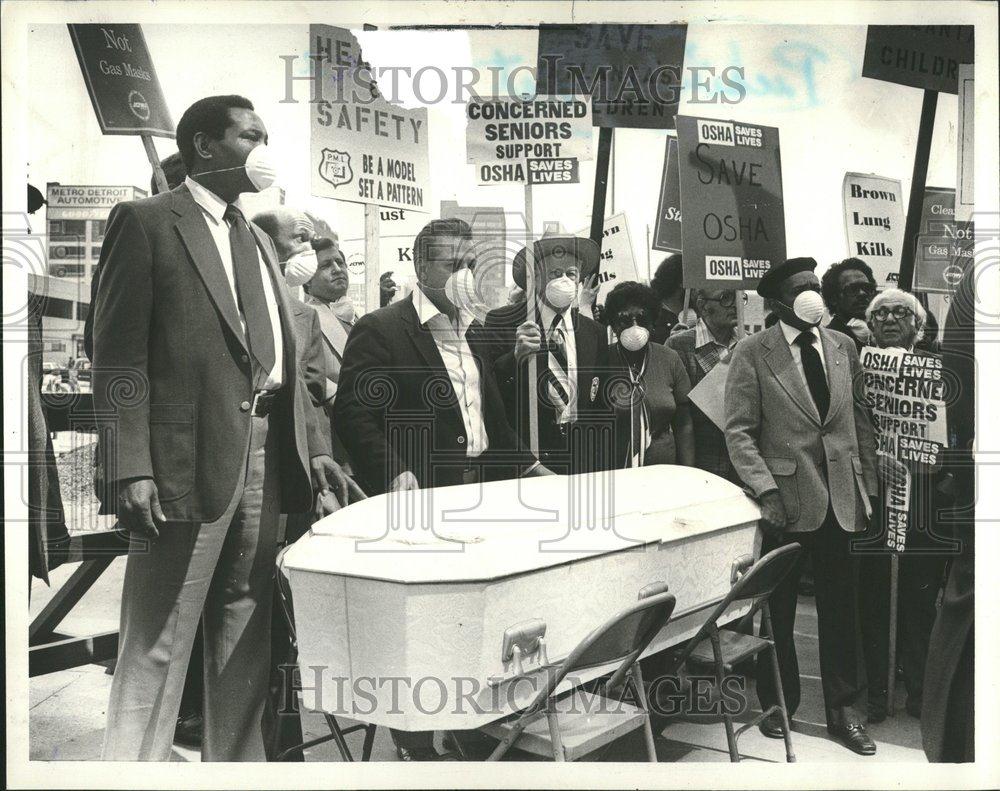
[805, 447]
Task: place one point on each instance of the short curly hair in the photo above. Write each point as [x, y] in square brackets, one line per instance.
[668, 277]
[631, 293]
[831, 279]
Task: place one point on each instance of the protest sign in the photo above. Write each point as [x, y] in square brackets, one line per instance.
[944, 247]
[921, 56]
[363, 149]
[753, 312]
[733, 219]
[537, 141]
[874, 221]
[121, 80]
[667, 235]
[617, 263]
[632, 72]
[966, 149]
[904, 392]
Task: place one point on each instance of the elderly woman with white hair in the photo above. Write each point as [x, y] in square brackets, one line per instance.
[896, 319]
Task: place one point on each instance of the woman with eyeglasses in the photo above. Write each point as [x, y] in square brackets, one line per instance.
[701, 348]
[896, 319]
[649, 391]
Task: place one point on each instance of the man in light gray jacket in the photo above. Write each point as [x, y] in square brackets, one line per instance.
[805, 447]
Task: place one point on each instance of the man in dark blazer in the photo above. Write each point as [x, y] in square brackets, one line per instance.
[805, 447]
[205, 437]
[575, 421]
[417, 406]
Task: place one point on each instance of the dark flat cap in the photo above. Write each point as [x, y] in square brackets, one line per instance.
[773, 278]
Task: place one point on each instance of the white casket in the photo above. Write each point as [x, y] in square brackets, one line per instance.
[402, 601]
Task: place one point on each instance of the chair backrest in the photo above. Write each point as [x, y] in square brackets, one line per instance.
[622, 638]
[761, 580]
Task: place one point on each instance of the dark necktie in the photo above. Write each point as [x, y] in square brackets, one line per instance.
[812, 366]
[250, 289]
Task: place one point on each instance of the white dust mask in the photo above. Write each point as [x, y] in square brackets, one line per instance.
[460, 288]
[261, 168]
[808, 307]
[560, 292]
[634, 338]
[860, 330]
[300, 268]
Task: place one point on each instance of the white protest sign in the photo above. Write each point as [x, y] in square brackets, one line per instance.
[617, 262]
[363, 149]
[537, 141]
[874, 221]
[905, 394]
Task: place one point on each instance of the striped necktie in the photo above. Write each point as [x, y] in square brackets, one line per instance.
[560, 385]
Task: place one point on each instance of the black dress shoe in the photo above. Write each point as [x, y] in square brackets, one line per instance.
[771, 727]
[417, 753]
[853, 737]
[188, 731]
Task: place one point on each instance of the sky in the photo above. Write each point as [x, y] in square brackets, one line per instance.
[805, 80]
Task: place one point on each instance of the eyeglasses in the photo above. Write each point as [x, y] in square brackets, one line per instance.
[856, 289]
[898, 312]
[726, 300]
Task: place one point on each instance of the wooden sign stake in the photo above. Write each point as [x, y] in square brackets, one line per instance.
[917, 184]
[371, 258]
[154, 161]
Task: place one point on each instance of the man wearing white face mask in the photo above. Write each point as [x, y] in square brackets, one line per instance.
[574, 418]
[207, 439]
[417, 405]
[805, 448]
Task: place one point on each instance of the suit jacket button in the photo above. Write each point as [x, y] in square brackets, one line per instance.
[245, 358]
[245, 406]
[461, 440]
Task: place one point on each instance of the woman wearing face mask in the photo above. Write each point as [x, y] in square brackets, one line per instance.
[649, 394]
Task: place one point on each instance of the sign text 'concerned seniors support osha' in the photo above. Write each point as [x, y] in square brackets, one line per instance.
[363, 149]
[121, 80]
[733, 219]
[534, 141]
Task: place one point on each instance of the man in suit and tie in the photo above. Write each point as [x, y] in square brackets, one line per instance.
[205, 441]
[805, 447]
[575, 422]
[417, 405]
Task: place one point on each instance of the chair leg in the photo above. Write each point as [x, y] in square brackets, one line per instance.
[558, 753]
[338, 737]
[647, 724]
[369, 742]
[779, 691]
[727, 718]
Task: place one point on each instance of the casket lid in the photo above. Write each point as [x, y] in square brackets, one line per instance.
[492, 530]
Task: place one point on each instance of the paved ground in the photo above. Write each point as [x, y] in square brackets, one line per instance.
[68, 708]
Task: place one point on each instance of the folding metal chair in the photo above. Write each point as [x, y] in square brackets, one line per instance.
[337, 733]
[724, 648]
[588, 723]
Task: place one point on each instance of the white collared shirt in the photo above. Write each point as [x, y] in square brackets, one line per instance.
[791, 333]
[213, 209]
[548, 315]
[461, 366]
[703, 337]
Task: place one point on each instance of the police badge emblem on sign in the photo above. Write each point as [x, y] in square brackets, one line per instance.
[335, 167]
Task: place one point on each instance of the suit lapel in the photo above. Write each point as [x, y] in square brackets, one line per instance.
[334, 331]
[779, 360]
[201, 247]
[837, 372]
